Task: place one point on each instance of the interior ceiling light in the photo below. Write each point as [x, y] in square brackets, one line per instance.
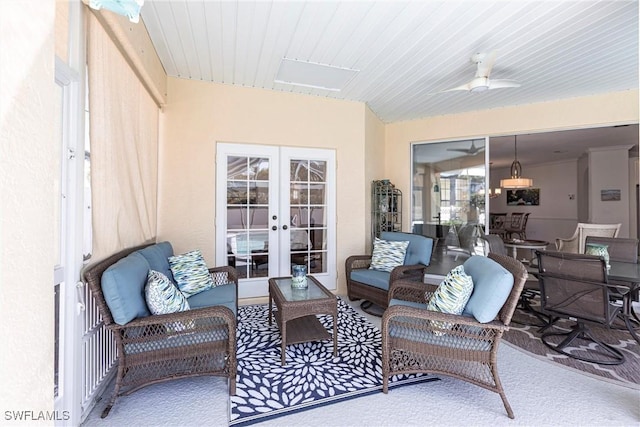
[516, 180]
[313, 75]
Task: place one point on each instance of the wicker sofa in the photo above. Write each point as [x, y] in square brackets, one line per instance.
[154, 348]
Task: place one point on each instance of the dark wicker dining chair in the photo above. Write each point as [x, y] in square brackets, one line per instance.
[414, 341]
[576, 287]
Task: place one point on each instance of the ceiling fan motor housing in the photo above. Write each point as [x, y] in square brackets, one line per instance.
[479, 84]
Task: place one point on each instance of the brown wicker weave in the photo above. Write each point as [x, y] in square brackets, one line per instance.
[467, 350]
[164, 347]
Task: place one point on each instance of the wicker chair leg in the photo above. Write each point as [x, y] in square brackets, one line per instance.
[500, 390]
[116, 390]
[506, 404]
[106, 411]
[232, 385]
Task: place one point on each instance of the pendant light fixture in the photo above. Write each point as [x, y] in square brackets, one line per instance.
[516, 180]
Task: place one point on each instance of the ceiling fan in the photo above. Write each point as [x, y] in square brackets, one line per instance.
[482, 82]
[472, 151]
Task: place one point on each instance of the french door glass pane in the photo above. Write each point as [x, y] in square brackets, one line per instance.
[308, 199]
[247, 214]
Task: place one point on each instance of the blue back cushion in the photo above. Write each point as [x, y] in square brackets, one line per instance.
[157, 256]
[492, 285]
[419, 249]
[123, 288]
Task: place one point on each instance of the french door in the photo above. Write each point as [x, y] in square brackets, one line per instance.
[275, 207]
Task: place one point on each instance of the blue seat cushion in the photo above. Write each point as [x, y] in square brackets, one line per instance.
[158, 258]
[220, 295]
[417, 330]
[419, 249]
[123, 288]
[492, 284]
[376, 278]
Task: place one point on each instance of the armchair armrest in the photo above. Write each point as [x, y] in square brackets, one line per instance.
[224, 274]
[407, 272]
[356, 262]
[209, 329]
[221, 312]
[439, 328]
[411, 290]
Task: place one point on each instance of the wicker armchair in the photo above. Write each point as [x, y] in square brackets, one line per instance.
[576, 243]
[200, 341]
[414, 340]
[373, 286]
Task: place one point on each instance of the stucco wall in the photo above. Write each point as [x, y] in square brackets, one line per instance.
[374, 158]
[198, 115]
[26, 212]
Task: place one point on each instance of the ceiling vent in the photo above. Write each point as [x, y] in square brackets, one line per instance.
[313, 75]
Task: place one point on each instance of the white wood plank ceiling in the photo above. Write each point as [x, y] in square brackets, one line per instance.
[406, 52]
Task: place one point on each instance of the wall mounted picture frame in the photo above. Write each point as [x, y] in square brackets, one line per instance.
[610, 195]
[524, 197]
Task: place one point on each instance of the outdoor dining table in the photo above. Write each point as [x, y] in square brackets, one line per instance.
[629, 274]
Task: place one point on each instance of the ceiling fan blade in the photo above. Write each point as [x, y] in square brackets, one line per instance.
[461, 150]
[466, 87]
[485, 63]
[503, 83]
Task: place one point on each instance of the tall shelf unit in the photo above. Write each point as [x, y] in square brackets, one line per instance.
[386, 208]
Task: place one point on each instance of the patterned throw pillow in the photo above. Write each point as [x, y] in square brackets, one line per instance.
[388, 254]
[451, 296]
[598, 250]
[162, 296]
[191, 273]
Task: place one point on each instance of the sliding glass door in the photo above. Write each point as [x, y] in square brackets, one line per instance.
[448, 191]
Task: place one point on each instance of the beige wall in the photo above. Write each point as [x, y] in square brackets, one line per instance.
[598, 110]
[374, 156]
[610, 178]
[198, 115]
[26, 212]
[556, 216]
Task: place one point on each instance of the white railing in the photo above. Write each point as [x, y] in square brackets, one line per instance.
[99, 354]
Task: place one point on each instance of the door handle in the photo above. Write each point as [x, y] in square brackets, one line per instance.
[284, 227]
[274, 228]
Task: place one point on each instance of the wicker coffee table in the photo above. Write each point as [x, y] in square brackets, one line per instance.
[297, 310]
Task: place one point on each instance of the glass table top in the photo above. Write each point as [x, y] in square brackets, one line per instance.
[313, 291]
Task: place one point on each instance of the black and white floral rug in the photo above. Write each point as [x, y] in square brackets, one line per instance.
[312, 376]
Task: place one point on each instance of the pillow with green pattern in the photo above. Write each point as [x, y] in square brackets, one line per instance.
[451, 296]
[191, 273]
[162, 296]
[388, 254]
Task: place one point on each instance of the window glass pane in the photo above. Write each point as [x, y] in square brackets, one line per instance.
[237, 168]
[317, 194]
[259, 169]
